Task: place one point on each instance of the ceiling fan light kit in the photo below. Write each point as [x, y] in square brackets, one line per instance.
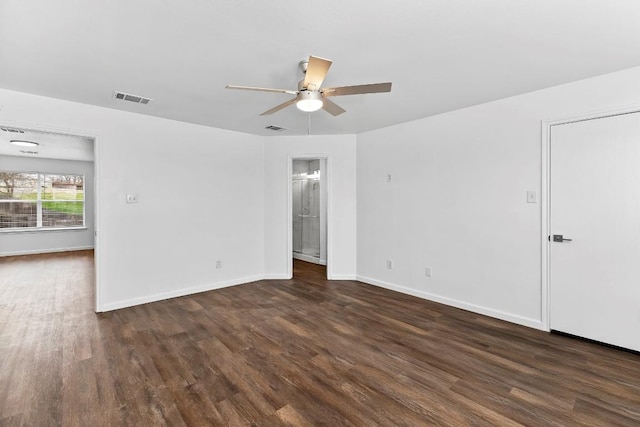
[311, 96]
[309, 101]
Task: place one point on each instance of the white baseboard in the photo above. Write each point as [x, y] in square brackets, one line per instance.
[45, 251]
[309, 258]
[513, 318]
[343, 277]
[285, 277]
[520, 320]
[197, 289]
[276, 277]
[176, 293]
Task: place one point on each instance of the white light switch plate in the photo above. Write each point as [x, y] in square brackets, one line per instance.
[531, 196]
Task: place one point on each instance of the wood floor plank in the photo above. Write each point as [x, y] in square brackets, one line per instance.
[297, 352]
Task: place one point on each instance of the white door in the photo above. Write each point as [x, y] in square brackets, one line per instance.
[595, 202]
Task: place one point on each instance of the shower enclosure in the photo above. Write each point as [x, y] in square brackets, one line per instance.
[309, 210]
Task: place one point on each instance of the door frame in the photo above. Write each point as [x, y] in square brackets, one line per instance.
[96, 187]
[327, 181]
[545, 203]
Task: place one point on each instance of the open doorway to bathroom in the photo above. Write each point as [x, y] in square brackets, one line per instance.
[309, 216]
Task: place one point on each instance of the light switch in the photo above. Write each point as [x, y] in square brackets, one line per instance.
[531, 196]
[132, 198]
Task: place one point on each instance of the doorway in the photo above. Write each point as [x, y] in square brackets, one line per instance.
[309, 215]
[594, 229]
[51, 200]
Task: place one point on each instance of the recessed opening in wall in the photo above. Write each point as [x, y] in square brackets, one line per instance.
[309, 199]
[47, 197]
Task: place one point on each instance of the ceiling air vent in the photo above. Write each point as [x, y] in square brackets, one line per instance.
[131, 98]
[11, 130]
[275, 128]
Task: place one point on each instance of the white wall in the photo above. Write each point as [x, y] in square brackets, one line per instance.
[457, 200]
[27, 242]
[341, 152]
[200, 199]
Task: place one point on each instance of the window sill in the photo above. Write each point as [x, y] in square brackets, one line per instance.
[40, 230]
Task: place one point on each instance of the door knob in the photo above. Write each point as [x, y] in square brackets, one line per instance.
[560, 238]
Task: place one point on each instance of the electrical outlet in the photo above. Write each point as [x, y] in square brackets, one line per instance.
[427, 271]
[218, 264]
[132, 198]
[389, 264]
[388, 177]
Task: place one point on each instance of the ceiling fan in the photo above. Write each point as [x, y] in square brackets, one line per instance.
[311, 96]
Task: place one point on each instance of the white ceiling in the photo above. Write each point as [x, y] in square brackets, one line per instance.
[440, 55]
[51, 145]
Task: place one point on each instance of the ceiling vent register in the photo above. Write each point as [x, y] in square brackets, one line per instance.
[275, 128]
[11, 130]
[131, 98]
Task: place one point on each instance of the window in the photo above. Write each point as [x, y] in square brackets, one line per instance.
[33, 200]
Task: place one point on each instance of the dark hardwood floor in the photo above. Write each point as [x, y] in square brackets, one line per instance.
[287, 352]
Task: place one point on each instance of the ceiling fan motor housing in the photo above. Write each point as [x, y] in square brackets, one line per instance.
[303, 65]
[309, 94]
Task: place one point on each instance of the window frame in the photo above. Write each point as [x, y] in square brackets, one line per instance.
[40, 182]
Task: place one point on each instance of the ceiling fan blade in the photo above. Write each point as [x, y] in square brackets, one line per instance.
[357, 90]
[279, 107]
[317, 70]
[332, 108]
[262, 89]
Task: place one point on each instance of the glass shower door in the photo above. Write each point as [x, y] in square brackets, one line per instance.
[311, 217]
[306, 214]
[297, 218]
